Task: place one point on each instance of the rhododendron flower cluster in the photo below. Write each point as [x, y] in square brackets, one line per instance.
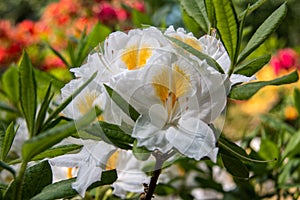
[177, 95]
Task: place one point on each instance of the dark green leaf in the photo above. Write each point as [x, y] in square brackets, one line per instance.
[69, 99]
[8, 108]
[251, 67]
[235, 167]
[297, 99]
[36, 178]
[56, 151]
[47, 139]
[245, 91]
[7, 141]
[264, 31]
[141, 153]
[63, 189]
[227, 26]
[197, 53]
[28, 90]
[111, 133]
[7, 167]
[196, 9]
[122, 103]
[43, 110]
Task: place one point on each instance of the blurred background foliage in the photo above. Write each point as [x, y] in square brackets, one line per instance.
[57, 36]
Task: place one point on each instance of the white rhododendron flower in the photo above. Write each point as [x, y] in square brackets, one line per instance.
[91, 161]
[177, 99]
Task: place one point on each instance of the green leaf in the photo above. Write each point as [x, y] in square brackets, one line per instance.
[8, 108]
[251, 67]
[28, 90]
[297, 99]
[210, 11]
[197, 53]
[122, 103]
[11, 85]
[227, 26]
[43, 110]
[235, 167]
[264, 31]
[139, 18]
[252, 8]
[141, 153]
[56, 151]
[7, 167]
[111, 133]
[245, 91]
[68, 100]
[36, 178]
[292, 145]
[7, 141]
[196, 9]
[43, 78]
[63, 189]
[268, 150]
[47, 139]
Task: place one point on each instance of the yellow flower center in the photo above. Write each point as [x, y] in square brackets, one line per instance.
[169, 85]
[135, 57]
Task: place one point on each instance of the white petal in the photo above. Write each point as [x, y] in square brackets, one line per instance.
[193, 138]
[238, 78]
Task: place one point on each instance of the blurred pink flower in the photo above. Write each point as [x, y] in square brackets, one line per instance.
[285, 59]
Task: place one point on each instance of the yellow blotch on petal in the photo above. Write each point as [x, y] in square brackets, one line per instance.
[69, 172]
[112, 161]
[170, 84]
[136, 57]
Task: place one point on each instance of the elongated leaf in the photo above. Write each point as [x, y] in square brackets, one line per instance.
[297, 99]
[47, 139]
[227, 26]
[63, 189]
[251, 67]
[43, 110]
[245, 91]
[210, 11]
[36, 178]
[141, 153]
[8, 140]
[235, 167]
[196, 9]
[231, 149]
[111, 133]
[122, 103]
[69, 99]
[44, 78]
[8, 108]
[56, 151]
[139, 18]
[264, 31]
[268, 150]
[7, 167]
[252, 8]
[27, 91]
[197, 53]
